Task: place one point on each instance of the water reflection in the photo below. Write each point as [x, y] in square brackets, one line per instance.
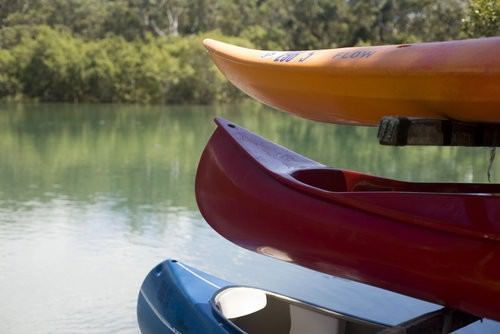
[93, 196]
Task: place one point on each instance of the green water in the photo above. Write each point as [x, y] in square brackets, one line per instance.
[93, 196]
[147, 155]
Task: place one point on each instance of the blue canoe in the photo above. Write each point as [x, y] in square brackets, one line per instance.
[176, 298]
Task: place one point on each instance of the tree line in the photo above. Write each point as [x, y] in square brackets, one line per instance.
[149, 51]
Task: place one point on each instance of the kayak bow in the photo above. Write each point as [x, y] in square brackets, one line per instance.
[457, 80]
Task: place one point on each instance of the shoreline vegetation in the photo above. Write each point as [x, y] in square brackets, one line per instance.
[150, 51]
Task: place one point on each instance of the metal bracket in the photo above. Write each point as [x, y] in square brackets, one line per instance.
[400, 131]
[442, 321]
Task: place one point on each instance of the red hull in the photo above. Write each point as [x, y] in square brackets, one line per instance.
[434, 241]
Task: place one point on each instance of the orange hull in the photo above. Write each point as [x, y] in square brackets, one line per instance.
[457, 80]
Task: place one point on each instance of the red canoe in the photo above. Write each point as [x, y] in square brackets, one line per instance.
[434, 241]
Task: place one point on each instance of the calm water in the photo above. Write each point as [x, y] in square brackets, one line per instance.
[93, 196]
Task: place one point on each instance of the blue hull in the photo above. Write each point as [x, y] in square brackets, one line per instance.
[175, 298]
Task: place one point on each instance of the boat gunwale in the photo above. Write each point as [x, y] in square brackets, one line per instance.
[241, 55]
[286, 179]
[292, 301]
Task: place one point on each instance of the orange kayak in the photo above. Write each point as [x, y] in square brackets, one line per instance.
[457, 80]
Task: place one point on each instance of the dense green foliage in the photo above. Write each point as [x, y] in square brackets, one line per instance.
[149, 51]
[483, 18]
[52, 65]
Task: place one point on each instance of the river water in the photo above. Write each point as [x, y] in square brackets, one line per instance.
[93, 196]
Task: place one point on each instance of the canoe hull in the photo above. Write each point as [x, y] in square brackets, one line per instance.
[245, 192]
[175, 298]
[457, 80]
